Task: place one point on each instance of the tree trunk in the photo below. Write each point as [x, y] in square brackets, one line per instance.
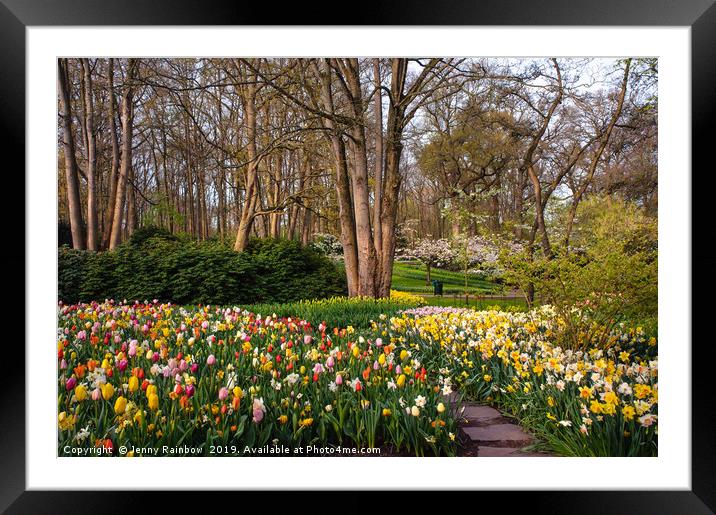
[539, 208]
[392, 178]
[378, 190]
[92, 243]
[251, 200]
[126, 161]
[131, 203]
[71, 175]
[343, 189]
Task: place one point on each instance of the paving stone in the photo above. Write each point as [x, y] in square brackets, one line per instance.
[483, 414]
[499, 435]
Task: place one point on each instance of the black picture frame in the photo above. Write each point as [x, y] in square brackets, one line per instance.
[700, 15]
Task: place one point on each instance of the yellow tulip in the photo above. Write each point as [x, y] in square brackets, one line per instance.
[120, 405]
[133, 384]
[80, 392]
[153, 401]
[107, 391]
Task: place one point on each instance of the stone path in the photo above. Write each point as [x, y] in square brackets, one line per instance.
[490, 433]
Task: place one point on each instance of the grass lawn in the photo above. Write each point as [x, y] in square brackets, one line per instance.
[410, 276]
[473, 303]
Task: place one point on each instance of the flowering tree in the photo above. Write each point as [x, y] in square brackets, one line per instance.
[432, 253]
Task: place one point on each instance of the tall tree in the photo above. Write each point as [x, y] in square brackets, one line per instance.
[126, 118]
[91, 172]
[71, 169]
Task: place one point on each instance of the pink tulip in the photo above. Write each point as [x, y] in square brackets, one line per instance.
[122, 365]
[63, 364]
[96, 394]
[307, 339]
[189, 390]
[339, 379]
[379, 342]
[223, 393]
[194, 368]
[210, 360]
[71, 383]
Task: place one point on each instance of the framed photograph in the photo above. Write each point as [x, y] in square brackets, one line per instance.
[445, 248]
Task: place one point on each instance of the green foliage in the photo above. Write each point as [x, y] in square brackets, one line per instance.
[337, 311]
[70, 273]
[608, 276]
[157, 265]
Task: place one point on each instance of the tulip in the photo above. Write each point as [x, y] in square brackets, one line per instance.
[120, 405]
[339, 379]
[107, 391]
[223, 393]
[80, 392]
[122, 365]
[378, 342]
[63, 364]
[153, 401]
[441, 407]
[210, 360]
[96, 394]
[71, 383]
[415, 411]
[133, 384]
[194, 368]
[189, 390]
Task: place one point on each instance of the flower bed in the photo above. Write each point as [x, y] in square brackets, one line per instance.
[599, 402]
[149, 376]
[157, 376]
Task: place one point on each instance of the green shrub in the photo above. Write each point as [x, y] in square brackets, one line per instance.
[608, 276]
[157, 265]
[71, 271]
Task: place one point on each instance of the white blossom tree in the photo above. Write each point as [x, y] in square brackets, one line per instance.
[432, 253]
